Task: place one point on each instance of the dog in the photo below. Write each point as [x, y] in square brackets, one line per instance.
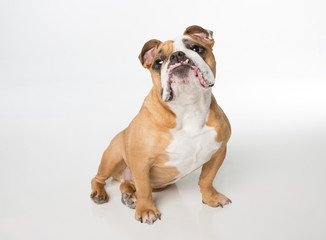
[179, 128]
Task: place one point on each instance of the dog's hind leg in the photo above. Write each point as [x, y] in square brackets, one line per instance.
[111, 163]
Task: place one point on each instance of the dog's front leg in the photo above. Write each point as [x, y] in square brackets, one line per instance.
[145, 208]
[209, 195]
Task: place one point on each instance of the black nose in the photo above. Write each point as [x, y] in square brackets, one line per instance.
[177, 57]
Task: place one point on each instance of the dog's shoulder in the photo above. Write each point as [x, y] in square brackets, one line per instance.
[218, 119]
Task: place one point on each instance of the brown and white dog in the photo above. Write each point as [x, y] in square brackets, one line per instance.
[178, 129]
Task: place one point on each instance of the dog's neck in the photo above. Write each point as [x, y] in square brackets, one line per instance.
[191, 107]
[187, 112]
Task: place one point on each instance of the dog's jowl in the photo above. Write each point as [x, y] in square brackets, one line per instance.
[179, 128]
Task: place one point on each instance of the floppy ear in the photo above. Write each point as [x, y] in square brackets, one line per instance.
[148, 52]
[201, 34]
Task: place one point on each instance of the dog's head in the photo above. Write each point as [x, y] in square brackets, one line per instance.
[185, 63]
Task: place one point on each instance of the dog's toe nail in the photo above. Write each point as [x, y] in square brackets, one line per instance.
[125, 195]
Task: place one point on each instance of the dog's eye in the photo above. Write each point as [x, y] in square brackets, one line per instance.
[159, 62]
[197, 49]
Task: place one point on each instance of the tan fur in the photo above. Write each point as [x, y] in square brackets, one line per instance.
[142, 146]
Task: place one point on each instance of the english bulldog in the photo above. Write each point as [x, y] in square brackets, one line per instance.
[179, 128]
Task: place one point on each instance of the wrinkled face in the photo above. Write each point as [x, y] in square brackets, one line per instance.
[185, 65]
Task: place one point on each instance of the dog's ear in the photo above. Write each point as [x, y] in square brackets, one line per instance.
[148, 52]
[201, 34]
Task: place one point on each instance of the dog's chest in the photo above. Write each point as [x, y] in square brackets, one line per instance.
[190, 150]
[193, 142]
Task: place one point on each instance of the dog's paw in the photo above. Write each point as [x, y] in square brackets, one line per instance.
[215, 199]
[100, 196]
[148, 216]
[129, 200]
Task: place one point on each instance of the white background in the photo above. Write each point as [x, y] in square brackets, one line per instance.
[70, 80]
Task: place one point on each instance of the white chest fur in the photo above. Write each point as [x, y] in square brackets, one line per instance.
[193, 142]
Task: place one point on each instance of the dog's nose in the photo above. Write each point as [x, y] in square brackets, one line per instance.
[177, 57]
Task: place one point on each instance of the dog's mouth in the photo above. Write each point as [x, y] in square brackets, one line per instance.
[181, 72]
